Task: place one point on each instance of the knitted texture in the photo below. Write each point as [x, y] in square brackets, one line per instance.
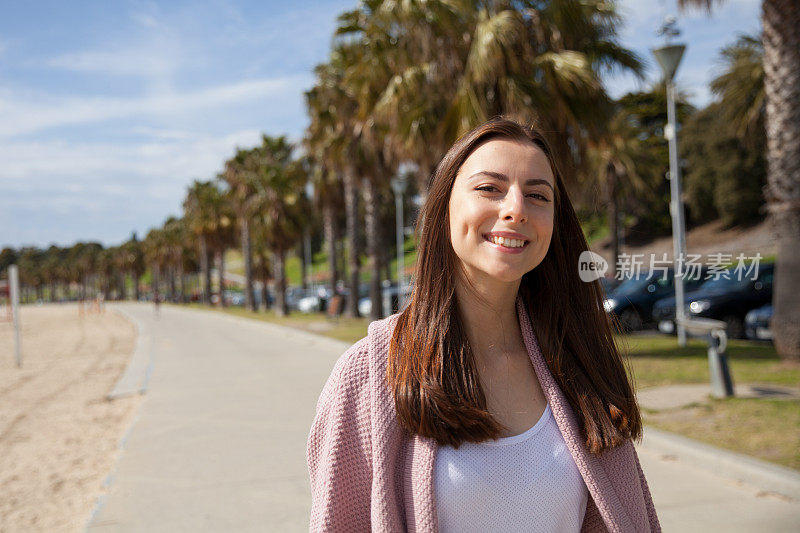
[368, 474]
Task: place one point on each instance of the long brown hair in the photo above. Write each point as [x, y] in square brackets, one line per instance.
[431, 370]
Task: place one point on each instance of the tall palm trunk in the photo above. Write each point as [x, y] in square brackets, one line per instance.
[206, 272]
[135, 280]
[281, 308]
[351, 211]
[612, 212]
[155, 282]
[121, 290]
[781, 37]
[301, 251]
[247, 256]
[181, 283]
[329, 228]
[220, 260]
[373, 247]
[171, 286]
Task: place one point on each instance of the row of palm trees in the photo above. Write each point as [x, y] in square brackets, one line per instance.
[79, 272]
[403, 81]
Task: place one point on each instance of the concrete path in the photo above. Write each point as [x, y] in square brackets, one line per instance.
[219, 444]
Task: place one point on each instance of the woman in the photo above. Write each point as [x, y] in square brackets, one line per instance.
[497, 400]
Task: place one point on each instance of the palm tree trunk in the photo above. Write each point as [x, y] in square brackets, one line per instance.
[181, 284]
[281, 307]
[206, 272]
[155, 282]
[220, 259]
[265, 290]
[612, 212]
[173, 286]
[136, 288]
[351, 211]
[373, 247]
[329, 228]
[247, 256]
[301, 251]
[781, 38]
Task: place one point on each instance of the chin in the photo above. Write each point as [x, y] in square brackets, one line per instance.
[505, 276]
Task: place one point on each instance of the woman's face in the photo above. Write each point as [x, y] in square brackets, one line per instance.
[501, 210]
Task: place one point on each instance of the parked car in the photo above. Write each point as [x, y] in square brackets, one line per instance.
[727, 299]
[234, 298]
[315, 301]
[632, 301]
[391, 296]
[756, 323]
[609, 284]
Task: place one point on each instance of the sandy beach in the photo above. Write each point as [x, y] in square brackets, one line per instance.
[59, 435]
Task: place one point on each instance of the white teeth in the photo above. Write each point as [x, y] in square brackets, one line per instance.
[508, 243]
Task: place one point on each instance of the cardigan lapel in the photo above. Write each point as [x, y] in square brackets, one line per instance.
[594, 475]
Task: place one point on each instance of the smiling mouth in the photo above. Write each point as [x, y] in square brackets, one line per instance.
[505, 242]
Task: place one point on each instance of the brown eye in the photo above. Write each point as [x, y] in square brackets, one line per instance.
[539, 197]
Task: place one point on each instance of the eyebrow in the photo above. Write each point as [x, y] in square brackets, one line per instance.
[504, 178]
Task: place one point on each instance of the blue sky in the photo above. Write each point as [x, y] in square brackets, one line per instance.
[108, 110]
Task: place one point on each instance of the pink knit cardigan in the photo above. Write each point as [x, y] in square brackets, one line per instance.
[367, 473]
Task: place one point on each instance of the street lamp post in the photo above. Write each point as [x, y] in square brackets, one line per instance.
[399, 184]
[669, 57]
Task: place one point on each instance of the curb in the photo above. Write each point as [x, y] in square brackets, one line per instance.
[136, 377]
[765, 476]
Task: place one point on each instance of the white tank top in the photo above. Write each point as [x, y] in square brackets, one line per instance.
[528, 482]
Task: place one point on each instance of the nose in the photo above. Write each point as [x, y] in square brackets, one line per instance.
[514, 208]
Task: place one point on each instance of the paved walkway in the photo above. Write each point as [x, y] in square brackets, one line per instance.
[219, 444]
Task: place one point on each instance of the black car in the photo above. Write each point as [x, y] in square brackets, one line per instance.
[756, 323]
[632, 301]
[727, 299]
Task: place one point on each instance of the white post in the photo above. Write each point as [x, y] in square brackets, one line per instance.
[676, 210]
[13, 279]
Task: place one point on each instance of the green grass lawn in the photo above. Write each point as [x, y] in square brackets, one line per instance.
[765, 428]
[657, 360]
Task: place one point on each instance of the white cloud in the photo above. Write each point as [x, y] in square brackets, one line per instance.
[133, 61]
[106, 189]
[19, 117]
[32, 165]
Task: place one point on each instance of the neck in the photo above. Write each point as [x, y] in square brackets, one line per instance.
[489, 313]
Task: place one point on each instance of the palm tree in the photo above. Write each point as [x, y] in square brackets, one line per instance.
[135, 264]
[619, 159]
[780, 37]
[175, 237]
[201, 212]
[459, 63]
[334, 128]
[155, 254]
[741, 87]
[239, 173]
[320, 143]
[279, 208]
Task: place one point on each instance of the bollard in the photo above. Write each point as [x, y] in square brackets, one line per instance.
[714, 331]
[721, 381]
